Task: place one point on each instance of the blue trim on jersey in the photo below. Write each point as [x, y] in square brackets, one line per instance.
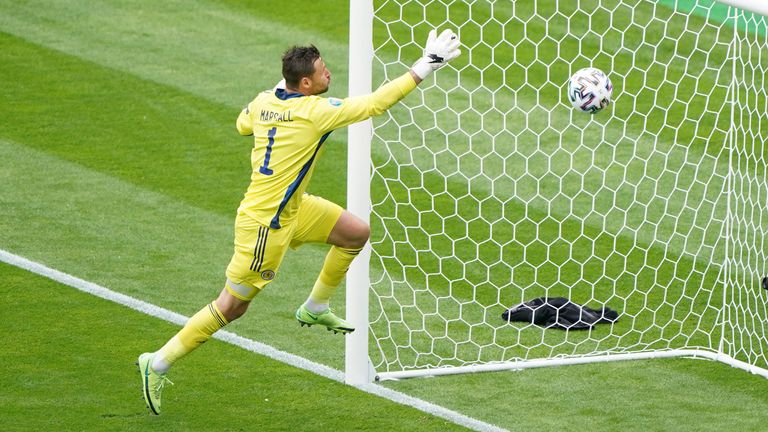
[283, 94]
[275, 223]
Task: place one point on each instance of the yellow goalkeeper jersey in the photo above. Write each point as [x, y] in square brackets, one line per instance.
[289, 131]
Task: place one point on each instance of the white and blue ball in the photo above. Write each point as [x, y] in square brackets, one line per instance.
[590, 90]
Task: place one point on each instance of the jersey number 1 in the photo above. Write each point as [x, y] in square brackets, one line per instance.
[271, 136]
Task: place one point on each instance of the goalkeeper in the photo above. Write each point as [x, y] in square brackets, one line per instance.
[290, 125]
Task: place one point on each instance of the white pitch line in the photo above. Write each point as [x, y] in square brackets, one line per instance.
[245, 343]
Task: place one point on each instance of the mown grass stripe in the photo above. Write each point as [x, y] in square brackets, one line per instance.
[242, 342]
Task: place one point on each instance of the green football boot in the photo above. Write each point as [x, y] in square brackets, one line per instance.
[327, 319]
[151, 382]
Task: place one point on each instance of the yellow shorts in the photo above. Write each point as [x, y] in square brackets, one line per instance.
[259, 249]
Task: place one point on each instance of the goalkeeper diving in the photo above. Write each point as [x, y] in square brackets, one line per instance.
[290, 125]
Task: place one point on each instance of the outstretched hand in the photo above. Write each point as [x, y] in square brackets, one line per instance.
[438, 51]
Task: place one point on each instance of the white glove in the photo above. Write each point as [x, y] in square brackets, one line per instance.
[437, 53]
[280, 85]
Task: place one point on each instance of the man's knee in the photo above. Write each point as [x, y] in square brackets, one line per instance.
[230, 305]
[350, 232]
[360, 236]
[356, 235]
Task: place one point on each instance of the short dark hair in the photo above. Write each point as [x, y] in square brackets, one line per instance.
[299, 62]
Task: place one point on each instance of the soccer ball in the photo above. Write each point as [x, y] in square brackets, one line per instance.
[590, 90]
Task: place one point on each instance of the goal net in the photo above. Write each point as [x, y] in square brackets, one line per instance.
[487, 189]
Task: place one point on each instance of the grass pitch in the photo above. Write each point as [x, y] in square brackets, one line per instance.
[121, 165]
[72, 368]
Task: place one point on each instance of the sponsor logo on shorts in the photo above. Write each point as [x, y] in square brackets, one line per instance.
[268, 275]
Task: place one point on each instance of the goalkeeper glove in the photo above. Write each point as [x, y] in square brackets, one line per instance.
[437, 53]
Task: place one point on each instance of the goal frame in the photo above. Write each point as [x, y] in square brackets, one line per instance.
[358, 367]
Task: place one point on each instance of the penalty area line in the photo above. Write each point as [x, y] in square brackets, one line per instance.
[245, 343]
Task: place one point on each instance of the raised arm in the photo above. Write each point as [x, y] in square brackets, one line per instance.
[330, 114]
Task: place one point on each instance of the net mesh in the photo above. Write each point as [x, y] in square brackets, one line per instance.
[745, 305]
[489, 190]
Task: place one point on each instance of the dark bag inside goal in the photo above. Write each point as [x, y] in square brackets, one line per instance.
[559, 313]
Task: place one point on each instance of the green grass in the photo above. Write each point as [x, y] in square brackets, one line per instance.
[71, 367]
[121, 166]
[76, 378]
[681, 395]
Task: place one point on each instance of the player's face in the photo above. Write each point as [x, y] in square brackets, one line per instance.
[321, 79]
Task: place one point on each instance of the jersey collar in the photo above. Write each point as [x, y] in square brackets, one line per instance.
[283, 94]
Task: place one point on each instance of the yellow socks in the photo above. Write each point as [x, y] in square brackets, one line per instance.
[335, 267]
[197, 331]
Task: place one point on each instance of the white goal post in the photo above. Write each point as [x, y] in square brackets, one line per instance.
[357, 370]
[485, 189]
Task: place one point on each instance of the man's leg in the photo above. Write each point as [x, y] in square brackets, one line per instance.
[347, 238]
[323, 221]
[198, 330]
[207, 321]
[257, 257]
